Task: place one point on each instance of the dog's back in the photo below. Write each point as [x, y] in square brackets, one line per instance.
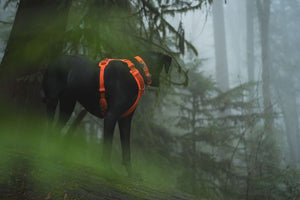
[64, 71]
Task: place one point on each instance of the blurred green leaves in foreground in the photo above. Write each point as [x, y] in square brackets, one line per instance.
[38, 162]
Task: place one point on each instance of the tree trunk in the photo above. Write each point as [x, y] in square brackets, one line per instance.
[284, 82]
[263, 9]
[290, 116]
[250, 42]
[194, 153]
[35, 39]
[220, 45]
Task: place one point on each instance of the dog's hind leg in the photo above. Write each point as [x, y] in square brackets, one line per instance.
[110, 121]
[66, 107]
[124, 127]
[51, 104]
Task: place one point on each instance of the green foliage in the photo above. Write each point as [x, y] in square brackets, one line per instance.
[100, 32]
[37, 161]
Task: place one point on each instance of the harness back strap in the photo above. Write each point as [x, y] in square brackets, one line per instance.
[137, 76]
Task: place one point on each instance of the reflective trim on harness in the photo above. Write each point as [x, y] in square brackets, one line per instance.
[137, 76]
[145, 68]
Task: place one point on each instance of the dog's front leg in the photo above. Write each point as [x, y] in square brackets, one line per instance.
[124, 126]
[109, 126]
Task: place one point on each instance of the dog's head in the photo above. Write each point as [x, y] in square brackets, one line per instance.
[156, 62]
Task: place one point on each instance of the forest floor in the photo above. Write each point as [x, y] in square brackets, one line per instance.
[23, 178]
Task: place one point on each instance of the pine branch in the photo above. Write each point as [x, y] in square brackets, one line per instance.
[173, 30]
[169, 26]
[184, 9]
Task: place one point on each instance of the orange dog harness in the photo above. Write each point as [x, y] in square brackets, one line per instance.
[135, 73]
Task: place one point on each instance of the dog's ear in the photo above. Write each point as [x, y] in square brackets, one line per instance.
[167, 62]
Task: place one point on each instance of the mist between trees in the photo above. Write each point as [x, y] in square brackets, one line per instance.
[195, 133]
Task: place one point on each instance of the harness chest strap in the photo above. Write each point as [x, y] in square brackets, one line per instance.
[137, 76]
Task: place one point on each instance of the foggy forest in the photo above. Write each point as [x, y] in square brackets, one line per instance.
[222, 124]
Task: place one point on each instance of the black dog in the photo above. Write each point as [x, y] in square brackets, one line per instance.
[72, 78]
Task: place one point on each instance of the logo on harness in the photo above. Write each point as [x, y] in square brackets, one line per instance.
[137, 76]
